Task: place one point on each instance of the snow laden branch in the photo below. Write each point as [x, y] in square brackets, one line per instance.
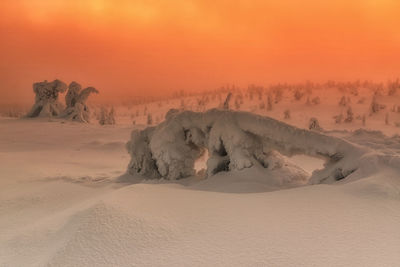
[235, 141]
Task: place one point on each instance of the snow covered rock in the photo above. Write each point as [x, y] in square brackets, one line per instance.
[46, 99]
[235, 141]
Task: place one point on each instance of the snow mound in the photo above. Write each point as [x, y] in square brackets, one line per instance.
[240, 140]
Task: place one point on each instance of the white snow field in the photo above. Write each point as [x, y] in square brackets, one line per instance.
[65, 200]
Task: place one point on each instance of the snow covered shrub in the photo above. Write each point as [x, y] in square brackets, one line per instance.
[286, 114]
[46, 99]
[107, 117]
[313, 124]
[77, 109]
[235, 141]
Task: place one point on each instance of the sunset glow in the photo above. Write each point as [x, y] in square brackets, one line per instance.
[135, 47]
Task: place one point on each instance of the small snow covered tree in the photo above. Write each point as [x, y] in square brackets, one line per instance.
[375, 107]
[316, 100]
[343, 101]
[286, 114]
[393, 87]
[46, 99]
[237, 103]
[349, 115]
[364, 120]
[278, 95]
[338, 118]
[107, 117]
[269, 102]
[313, 125]
[149, 119]
[227, 100]
[298, 94]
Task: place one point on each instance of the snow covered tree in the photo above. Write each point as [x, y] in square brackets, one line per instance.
[46, 99]
[236, 141]
[77, 109]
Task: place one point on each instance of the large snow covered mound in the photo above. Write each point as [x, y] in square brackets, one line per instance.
[238, 140]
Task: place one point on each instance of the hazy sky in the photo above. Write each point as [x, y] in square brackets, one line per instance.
[132, 47]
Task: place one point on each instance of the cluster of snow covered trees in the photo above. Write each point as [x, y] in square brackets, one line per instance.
[47, 103]
[235, 141]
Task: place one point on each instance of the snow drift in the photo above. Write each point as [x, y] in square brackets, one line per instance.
[238, 140]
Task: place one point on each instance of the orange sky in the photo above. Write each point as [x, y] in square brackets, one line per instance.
[131, 47]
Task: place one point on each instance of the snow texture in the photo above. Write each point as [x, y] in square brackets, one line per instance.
[239, 140]
[46, 99]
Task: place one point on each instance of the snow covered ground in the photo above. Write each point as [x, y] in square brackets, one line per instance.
[65, 201]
